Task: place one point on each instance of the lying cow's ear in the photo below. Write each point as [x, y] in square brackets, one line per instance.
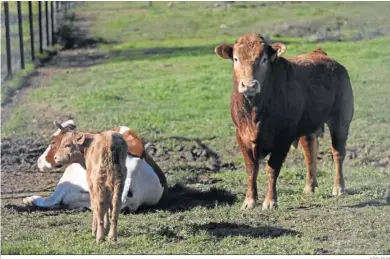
[80, 138]
[279, 49]
[224, 51]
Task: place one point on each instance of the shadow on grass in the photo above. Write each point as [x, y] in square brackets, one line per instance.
[369, 203]
[223, 229]
[181, 198]
[52, 211]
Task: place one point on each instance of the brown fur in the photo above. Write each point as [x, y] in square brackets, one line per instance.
[104, 157]
[297, 96]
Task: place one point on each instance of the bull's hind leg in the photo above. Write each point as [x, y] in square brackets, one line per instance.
[338, 151]
[310, 149]
[339, 135]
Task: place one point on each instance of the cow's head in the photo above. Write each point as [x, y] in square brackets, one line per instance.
[46, 160]
[251, 57]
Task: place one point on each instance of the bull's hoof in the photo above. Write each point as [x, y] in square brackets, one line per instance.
[248, 204]
[310, 188]
[270, 204]
[338, 190]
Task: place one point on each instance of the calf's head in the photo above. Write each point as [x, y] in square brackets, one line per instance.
[69, 149]
[251, 57]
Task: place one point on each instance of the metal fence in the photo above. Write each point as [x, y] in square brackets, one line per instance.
[28, 28]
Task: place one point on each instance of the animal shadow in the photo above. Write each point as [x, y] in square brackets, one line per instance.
[52, 211]
[181, 198]
[369, 203]
[223, 229]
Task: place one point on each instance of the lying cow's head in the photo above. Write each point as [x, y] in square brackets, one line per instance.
[251, 57]
[46, 160]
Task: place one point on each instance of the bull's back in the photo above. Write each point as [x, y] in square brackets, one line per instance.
[323, 82]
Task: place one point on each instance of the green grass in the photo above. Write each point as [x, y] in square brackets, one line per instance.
[163, 80]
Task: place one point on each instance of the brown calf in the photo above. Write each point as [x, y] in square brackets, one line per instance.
[104, 157]
[277, 100]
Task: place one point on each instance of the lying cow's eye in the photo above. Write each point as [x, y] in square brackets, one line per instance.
[67, 145]
[235, 60]
[264, 60]
[52, 143]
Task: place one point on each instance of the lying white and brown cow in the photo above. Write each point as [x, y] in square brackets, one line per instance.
[145, 184]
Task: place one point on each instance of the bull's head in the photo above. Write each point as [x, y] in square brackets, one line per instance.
[46, 160]
[251, 57]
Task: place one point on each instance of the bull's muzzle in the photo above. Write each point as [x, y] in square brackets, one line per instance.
[249, 88]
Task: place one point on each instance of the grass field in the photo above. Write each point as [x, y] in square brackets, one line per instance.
[162, 79]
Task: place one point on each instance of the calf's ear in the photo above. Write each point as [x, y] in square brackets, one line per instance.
[80, 138]
[279, 49]
[224, 51]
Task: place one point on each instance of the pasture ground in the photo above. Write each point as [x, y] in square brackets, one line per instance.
[153, 69]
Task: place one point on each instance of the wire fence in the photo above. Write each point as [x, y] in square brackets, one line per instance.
[28, 28]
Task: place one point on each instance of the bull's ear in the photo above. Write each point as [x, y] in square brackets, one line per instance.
[279, 49]
[79, 138]
[224, 51]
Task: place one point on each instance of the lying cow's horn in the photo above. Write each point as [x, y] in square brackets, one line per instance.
[58, 125]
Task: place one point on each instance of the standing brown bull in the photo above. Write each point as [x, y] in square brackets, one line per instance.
[277, 100]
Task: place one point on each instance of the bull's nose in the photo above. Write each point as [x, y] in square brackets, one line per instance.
[250, 86]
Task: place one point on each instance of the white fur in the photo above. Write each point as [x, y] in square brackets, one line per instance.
[72, 189]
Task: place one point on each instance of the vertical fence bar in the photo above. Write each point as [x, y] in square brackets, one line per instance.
[40, 26]
[20, 25]
[53, 40]
[57, 6]
[30, 19]
[47, 23]
[7, 39]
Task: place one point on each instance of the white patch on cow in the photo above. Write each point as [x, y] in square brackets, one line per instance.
[72, 187]
[43, 165]
[123, 129]
[144, 184]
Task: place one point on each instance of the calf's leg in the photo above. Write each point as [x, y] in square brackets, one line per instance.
[310, 149]
[116, 204]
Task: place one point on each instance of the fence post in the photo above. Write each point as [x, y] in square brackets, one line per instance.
[20, 25]
[30, 19]
[7, 39]
[47, 24]
[53, 40]
[40, 26]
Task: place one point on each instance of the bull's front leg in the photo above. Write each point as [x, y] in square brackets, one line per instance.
[252, 169]
[273, 167]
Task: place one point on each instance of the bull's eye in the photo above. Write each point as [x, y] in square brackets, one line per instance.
[264, 60]
[235, 60]
[52, 143]
[67, 146]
